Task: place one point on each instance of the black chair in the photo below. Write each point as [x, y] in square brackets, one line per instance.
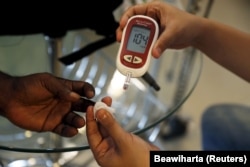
[54, 22]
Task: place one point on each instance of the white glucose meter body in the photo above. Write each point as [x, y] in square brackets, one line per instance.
[138, 38]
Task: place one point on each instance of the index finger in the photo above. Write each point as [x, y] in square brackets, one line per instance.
[82, 104]
[93, 134]
[84, 89]
[139, 9]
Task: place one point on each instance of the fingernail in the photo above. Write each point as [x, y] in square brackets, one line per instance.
[102, 115]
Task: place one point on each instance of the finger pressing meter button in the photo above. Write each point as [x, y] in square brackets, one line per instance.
[134, 54]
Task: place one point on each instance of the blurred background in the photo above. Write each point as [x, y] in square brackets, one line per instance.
[216, 85]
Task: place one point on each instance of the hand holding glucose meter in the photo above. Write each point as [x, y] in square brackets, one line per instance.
[134, 54]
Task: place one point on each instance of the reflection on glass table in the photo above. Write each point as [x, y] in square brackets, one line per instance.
[138, 109]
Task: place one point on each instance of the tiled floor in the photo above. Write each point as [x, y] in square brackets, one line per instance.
[216, 85]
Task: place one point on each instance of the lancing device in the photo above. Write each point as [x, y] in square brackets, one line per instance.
[134, 54]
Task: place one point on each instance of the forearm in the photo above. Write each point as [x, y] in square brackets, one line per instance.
[225, 45]
[5, 86]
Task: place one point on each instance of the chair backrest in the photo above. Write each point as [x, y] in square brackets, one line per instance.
[33, 18]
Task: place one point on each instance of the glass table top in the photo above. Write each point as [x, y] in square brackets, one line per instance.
[138, 109]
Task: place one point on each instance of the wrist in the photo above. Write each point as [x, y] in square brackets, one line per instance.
[5, 91]
[201, 31]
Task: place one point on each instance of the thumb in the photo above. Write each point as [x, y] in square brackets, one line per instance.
[163, 42]
[113, 129]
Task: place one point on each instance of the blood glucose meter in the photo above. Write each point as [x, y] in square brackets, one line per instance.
[134, 54]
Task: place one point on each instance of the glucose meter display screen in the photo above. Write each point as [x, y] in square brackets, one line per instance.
[138, 39]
